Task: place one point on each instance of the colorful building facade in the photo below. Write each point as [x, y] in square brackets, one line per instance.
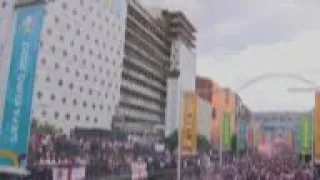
[223, 100]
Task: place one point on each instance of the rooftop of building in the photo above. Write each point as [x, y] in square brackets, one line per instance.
[178, 13]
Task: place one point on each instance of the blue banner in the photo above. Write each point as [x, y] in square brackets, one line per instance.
[242, 135]
[15, 125]
[297, 139]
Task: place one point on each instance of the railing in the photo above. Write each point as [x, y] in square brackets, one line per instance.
[144, 79]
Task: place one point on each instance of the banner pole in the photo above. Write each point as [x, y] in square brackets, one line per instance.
[220, 142]
[312, 141]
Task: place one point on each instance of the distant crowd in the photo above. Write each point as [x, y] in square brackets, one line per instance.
[102, 156]
[282, 165]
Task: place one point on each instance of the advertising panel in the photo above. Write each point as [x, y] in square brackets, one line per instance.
[256, 137]
[317, 128]
[189, 124]
[242, 135]
[15, 125]
[262, 137]
[289, 138]
[306, 134]
[226, 130]
[250, 137]
[297, 139]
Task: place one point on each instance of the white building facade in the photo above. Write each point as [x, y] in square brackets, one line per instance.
[204, 118]
[183, 59]
[6, 28]
[79, 65]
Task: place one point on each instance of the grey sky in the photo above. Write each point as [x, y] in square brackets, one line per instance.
[238, 40]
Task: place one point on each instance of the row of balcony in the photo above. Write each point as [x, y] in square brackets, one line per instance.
[129, 85]
[152, 106]
[139, 115]
[164, 54]
[130, 58]
[134, 19]
[138, 47]
[143, 79]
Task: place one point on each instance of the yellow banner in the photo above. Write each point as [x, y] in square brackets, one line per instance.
[189, 124]
[289, 138]
[316, 127]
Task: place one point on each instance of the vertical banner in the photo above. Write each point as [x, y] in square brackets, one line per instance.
[289, 138]
[15, 125]
[297, 139]
[256, 137]
[317, 128]
[262, 137]
[226, 130]
[242, 133]
[189, 123]
[306, 134]
[250, 137]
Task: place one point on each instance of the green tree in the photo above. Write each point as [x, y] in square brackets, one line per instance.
[172, 142]
[44, 128]
[234, 144]
[203, 143]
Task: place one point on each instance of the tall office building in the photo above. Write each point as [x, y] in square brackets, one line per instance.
[79, 63]
[156, 40]
[146, 60]
[104, 64]
[183, 59]
[6, 28]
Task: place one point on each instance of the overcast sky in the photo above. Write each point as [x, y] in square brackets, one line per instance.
[241, 39]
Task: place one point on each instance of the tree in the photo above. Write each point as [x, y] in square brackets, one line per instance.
[234, 144]
[172, 142]
[44, 128]
[203, 143]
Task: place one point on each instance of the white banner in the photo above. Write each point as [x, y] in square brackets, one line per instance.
[78, 173]
[139, 171]
[60, 173]
[64, 173]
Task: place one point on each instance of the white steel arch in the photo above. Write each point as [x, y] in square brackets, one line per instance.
[262, 77]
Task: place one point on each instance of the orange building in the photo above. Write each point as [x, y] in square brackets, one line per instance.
[223, 100]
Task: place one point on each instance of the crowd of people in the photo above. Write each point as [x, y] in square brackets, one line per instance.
[109, 156]
[281, 165]
[260, 168]
[102, 155]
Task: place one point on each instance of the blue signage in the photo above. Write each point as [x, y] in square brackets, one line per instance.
[242, 135]
[297, 139]
[15, 125]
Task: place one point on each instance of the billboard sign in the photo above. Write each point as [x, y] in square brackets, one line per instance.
[250, 137]
[15, 125]
[189, 124]
[256, 137]
[242, 135]
[306, 134]
[317, 128]
[226, 130]
[297, 139]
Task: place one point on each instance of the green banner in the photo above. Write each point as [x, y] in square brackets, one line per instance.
[306, 134]
[226, 130]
